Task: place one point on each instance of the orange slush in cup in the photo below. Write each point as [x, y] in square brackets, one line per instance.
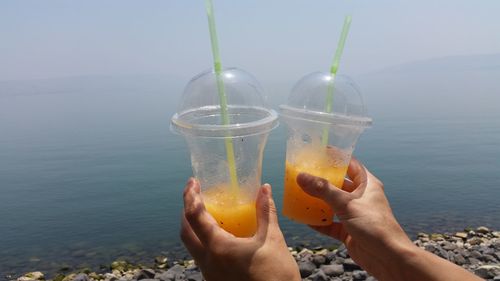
[320, 141]
[235, 213]
[226, 151]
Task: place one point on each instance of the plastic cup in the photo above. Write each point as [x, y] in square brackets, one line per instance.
[308, 122]
[199, 120]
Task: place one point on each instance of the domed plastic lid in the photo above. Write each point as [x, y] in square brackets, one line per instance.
[199, 112]
[324, 98]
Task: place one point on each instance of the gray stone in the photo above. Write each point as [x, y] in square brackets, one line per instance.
[496, 278]
[330, 256]
[463, 252]
[496, 245]
[451, 256]
[305, 256]
[448, 246]
[318, 276]
[487, 251]
[437, 237]
[350, 265]
[483, 230]
[462, 235]
[430, 248]
[171, 274]
[35, 275]
[339, 260]
[487, 271]
[162, 266]
[371, 278]
[69, 277]
[333, 269]
[192, 275]
[422, 234]
[475, 241]
[119, 265]
[319, 260]
[488, 258]
[24, 278]
[110, 277]
[144, 274]
[165, 276]
[459, 259]
[161, 260]
[81, 277]
[475, 248]
[342, 251]
[497, 255]
[180, 277]
[306, 268]
[474, 261]
[442, 253]
[475, 254]
[176, 269]
[359, 275]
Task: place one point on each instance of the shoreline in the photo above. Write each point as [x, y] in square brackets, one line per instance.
[477, 250]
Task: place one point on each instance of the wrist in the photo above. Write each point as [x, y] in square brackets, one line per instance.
[401, 257]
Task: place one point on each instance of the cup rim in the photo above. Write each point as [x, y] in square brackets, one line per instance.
[289, 112]
[236, 130]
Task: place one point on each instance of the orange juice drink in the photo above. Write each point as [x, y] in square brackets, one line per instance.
[234, 211]
[300, 206]
[325, 115]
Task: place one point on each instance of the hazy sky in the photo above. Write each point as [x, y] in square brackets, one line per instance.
[275, 39]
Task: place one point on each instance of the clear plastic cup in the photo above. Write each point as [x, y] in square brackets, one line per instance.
[199, 120]
[320, 141]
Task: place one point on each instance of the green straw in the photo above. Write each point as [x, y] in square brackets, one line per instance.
[333, 73]
[222, 95]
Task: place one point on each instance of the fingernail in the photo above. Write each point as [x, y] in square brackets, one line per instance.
[266, 189]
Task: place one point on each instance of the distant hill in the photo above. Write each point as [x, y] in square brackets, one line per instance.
[462, 85]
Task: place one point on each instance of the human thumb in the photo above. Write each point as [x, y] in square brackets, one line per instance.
[267, 218]
[322, 189]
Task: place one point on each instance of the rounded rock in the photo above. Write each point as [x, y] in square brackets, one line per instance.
[81, 277]
[483, 230]
[306, 268]
[350, 265]
[319, 260]
[333, 269]
[359, 275]
[318, 276]
[487, 271]
[144, 274]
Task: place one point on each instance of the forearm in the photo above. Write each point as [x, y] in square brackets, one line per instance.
[417, 264]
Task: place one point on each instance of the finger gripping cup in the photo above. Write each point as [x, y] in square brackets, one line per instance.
[325, 115]
[200, 120]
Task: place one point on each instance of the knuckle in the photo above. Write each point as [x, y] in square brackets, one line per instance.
[193, 211]
[321, 185]
[271, 208]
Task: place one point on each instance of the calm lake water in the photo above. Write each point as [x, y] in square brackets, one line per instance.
[86, 178]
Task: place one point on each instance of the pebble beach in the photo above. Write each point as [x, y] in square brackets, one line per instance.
[477, 250]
